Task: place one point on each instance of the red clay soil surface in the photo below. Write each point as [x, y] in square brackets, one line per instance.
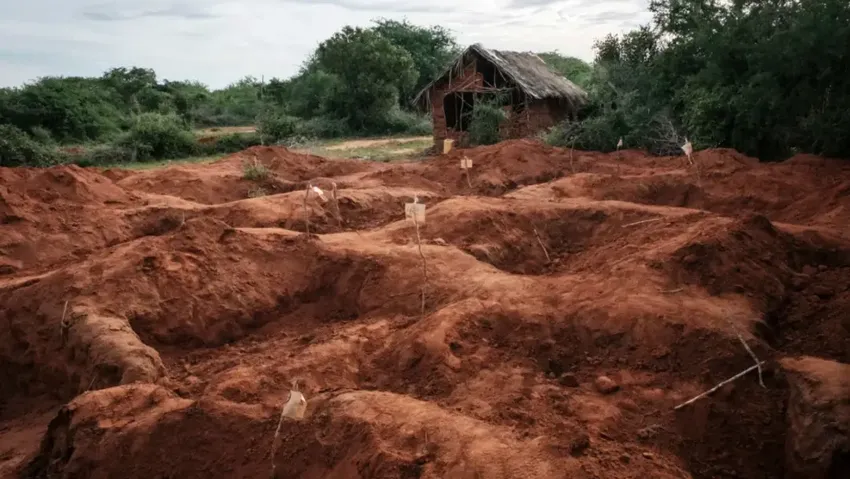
[154, 321]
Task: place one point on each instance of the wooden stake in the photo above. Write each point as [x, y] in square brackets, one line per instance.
[307, 213]
[336, 206]
[424, 265]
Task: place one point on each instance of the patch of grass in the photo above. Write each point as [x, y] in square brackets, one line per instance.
[257, 192]
[254, 171]
[159, 164]
[224, 130]
[384, 150]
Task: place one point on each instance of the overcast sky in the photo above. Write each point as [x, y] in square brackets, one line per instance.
[220, 41]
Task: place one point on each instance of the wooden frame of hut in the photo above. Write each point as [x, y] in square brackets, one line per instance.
[533, 96]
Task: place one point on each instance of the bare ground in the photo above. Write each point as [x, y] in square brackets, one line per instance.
[154, 320]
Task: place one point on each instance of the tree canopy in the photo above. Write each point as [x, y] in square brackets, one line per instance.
[765, 77]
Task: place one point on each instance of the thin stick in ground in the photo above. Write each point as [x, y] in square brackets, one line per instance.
[336, 205]
[540, 242]
[422, 256]
[306, 212]
[720, 385]
[747, 347]
[63, 326]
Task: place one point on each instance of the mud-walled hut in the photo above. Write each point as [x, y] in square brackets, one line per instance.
[533, 96]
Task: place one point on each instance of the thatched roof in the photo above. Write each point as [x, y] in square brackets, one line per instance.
[530, 73]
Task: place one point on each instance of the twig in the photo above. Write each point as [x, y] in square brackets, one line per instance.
[336, 205]
[468, 183]
[643, 222]
[63, 326]
[424, 264]
[720, 385]
[750, 351]
[540, 242]
[306, 213]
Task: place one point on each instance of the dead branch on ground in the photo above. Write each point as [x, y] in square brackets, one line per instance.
[720, 385]
[747, 347]
[540, 242]
[643, 222]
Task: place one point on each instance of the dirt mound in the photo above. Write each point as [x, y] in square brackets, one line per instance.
[498, 168]
[543, 321]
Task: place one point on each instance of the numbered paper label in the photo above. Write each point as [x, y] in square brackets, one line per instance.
[466, 163]
[415, 210]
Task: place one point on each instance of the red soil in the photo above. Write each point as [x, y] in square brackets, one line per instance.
[154, 321]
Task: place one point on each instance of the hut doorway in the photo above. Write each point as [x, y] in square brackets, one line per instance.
[458, 109]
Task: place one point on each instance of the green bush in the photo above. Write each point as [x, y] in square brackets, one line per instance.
[274, 127]
[237, 142]
[18, 149]
[100, 155]
[229, 143]
[254, 171]
[42, 135]
[404, 122]
[157, 136]
[487, 115]
[324, 127]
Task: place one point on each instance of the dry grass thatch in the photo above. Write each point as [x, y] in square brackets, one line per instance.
[527, 70]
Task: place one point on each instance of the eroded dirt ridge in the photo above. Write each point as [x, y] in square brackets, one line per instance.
[153, 321]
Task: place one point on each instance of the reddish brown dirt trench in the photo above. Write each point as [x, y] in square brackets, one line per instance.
[152, 322]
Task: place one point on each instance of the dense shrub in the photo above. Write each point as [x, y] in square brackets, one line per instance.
[765, 78]
[487, 115]
[324, 127]
[405, 122]
[18, 149]
[156, 136]
[273, 127]
[100, 155]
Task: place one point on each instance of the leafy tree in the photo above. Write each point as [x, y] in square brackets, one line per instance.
[432, 49]
[765, 77]
[18, 149]
[372, 71]
[574, 69]
[72, 109]
[156, 136]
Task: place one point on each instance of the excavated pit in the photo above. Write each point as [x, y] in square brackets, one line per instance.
[154, 321]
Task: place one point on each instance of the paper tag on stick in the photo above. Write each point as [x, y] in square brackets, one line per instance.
[415, 209]
[466, 163]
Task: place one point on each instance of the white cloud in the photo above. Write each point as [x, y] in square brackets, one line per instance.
[220, 41]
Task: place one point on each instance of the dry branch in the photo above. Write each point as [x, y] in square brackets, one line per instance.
[747, 347]
[63, 326]
[673, 291]
[720, 385]
[540, 242]
[643, 222]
